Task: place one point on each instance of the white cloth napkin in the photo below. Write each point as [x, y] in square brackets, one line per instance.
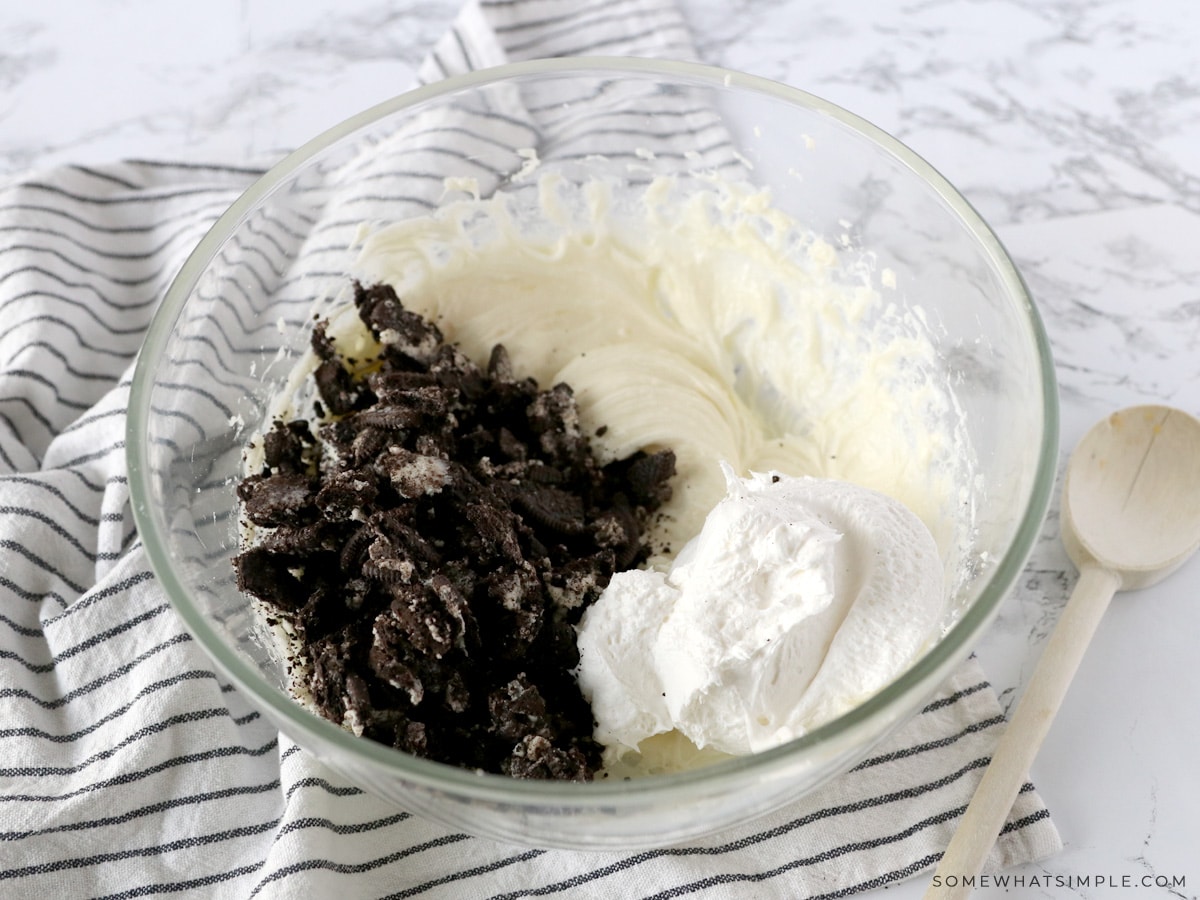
[129, 769]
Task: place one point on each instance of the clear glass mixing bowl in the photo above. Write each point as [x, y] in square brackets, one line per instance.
[238, 314]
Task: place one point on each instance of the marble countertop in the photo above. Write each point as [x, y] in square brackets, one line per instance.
[1073, 126]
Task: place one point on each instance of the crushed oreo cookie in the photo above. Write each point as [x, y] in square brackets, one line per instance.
[434, 544]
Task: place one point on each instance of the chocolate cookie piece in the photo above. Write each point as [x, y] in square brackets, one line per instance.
[435, 544]
[280, 498]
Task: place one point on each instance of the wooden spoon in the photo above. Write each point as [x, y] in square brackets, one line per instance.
[1130, 517]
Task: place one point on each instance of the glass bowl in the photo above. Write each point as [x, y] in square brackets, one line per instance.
[239, 313]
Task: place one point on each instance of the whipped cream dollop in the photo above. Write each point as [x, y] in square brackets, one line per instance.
[798, 599]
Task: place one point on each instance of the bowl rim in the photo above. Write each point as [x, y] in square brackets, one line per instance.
[910, 689]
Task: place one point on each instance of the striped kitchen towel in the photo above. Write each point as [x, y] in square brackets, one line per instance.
[129, 769]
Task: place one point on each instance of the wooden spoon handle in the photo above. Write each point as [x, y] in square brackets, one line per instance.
[993, 800]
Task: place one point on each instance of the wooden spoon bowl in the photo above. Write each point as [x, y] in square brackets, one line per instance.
[1130, 517]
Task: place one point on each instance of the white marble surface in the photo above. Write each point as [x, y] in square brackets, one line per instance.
[1072, 125]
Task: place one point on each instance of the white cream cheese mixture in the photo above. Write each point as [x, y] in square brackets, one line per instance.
[703, 321]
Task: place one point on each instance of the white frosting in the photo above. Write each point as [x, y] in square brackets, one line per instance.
[703, 320]
[799, 599]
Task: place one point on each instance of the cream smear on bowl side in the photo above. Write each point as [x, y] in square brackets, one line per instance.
[694, 317]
